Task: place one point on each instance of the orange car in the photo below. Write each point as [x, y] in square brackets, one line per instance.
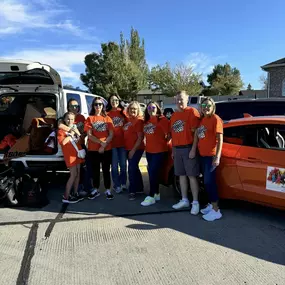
[253, 161]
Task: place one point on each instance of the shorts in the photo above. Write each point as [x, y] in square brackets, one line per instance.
[183, 165]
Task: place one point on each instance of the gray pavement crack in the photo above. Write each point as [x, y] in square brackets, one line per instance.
[24, 273]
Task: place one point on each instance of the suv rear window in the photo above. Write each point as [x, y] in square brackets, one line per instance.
[235, 110]
[35, 76]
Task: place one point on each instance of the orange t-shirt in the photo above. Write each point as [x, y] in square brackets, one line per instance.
[207, 134]
[131, 129]
[79, 122]
[181, 124]
[69, 152]
[118, 122]
[155, 132]
[101, 126]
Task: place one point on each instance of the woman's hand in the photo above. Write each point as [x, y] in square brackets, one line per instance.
[101, 150]
[103, 144]
[131, 154]
[216, 161]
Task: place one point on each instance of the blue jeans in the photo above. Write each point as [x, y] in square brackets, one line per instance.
[210, 178]
[119, 158]
[155, 163]
[135, 176]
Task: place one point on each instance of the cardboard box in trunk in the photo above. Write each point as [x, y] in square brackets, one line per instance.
[33, 111]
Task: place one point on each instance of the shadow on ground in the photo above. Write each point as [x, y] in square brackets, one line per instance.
[247, 228]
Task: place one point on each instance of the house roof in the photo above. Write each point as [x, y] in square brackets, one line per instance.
[149, 92]
[277, 63]
[259, 93]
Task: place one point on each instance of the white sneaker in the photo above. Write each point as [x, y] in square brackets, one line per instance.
[207, 209]
[195, 209]
[157, 197]
[118, 190]
[148, 201]
[181, 204]
[212, 215]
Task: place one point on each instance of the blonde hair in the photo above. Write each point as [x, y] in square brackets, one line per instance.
[140, 113]
[181, 93]
[205, 99]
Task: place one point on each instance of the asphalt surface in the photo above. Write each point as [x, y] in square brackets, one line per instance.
[120, 242]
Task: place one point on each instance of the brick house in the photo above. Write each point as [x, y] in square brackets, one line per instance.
[275, 77]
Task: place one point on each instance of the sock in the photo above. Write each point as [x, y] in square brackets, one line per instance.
[195, 202]
[185, 200]
[108, 191]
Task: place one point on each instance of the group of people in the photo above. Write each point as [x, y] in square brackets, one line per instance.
[116, 136]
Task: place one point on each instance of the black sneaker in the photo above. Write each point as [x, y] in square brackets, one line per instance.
[71, 200]
[132, 196]
[109, 195]
[78, 197]
[94, 194]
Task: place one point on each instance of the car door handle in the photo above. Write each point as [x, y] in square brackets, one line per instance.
[250, 159]
[253, 159]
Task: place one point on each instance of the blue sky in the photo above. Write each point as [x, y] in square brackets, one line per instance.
[244, 33]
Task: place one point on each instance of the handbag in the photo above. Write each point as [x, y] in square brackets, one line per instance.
[80, 153]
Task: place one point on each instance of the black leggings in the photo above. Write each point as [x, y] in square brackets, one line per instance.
[96, 159]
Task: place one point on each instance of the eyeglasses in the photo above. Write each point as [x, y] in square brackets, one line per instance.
[98, 104]
[115, 101]
[151, 108]
[206, 105]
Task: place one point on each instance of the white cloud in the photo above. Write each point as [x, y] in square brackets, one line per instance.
[22, 15]
[65, 61]
[203, 63]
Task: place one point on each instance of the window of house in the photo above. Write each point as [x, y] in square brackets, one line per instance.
[283, 87]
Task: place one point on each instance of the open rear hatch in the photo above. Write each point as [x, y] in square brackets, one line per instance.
[29, 93]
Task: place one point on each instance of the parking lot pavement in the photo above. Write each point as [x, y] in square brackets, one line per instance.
[120, 242]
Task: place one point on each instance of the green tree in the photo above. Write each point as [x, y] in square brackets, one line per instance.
[225, 79]
[119, 68]
[249, 87]
[169, 80]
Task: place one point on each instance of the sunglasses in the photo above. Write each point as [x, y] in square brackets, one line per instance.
[73, 106]
[98, 104]
[115, 100]
[206, 105]
[151, 108]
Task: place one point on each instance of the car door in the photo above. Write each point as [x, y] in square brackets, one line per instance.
[227, 175]
[261, 164]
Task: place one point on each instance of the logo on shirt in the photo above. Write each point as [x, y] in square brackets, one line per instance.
[178, 126]
[149, 128]
[126, 126]
[201, 132]
[99, 126]
[80, 127]
[118, 122]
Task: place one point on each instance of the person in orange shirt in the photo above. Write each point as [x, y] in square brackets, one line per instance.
[85, 181]
[100, 129]
[133, 136]
[115, 111]
[71, 158]
[184, 123]
[156, 131]
[209, 137]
